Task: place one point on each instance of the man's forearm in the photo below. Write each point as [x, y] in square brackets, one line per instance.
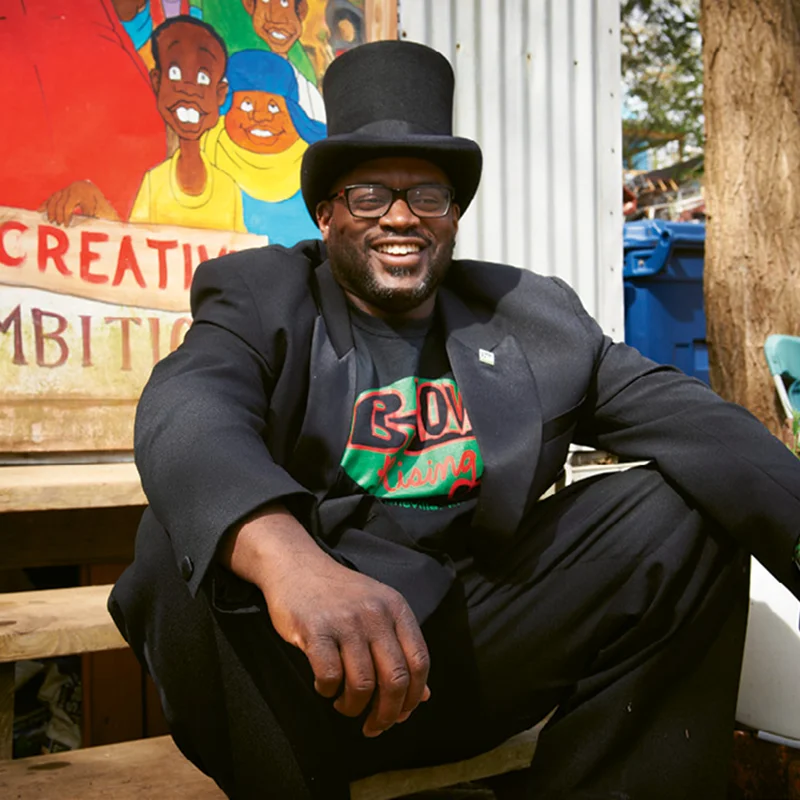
[268, 543]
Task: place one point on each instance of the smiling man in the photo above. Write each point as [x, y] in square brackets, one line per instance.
[346, 567]
[391, 269]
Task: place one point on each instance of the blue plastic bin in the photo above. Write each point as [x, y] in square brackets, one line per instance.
[663, 276]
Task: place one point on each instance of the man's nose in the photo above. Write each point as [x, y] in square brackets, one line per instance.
[399, 215]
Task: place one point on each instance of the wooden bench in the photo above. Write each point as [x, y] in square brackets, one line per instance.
[74, 621]
[44, 624]
[154, 768]
[46, 487]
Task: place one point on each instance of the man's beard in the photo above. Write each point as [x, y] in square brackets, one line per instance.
[350, 265]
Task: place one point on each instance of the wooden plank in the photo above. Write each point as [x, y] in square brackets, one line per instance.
[380, 20]
[155, 768]
[60, 486]
[51, 425]
[148, 768]
[514, 754]
[56, 622]
[72, 536]
[6, 710]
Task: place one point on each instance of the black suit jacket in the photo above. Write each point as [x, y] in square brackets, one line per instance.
[255, 407]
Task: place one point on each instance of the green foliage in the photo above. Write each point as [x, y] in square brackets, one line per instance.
[662, 73]
[794, 446]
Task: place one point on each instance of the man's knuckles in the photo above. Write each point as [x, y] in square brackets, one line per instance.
[397, 680]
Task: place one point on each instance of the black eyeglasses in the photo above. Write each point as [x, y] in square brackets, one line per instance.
[373, 200]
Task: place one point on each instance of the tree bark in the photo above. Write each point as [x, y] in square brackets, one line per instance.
[752, 178]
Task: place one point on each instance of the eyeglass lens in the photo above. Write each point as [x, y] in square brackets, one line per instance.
[374, 200]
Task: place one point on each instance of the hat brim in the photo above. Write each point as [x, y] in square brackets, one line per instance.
[328, 159]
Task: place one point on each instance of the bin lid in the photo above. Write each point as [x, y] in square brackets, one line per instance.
[648, 243]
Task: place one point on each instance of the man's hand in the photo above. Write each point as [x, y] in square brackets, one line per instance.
[360, 636]
[83, 195]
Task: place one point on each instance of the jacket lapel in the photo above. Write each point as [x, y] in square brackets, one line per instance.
[502, 401]
[331, 389]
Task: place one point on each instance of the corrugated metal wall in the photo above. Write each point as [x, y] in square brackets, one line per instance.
[537, 85]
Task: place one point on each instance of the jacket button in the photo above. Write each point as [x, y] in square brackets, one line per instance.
[187, 568]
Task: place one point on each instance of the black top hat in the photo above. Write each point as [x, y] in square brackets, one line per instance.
[389, 98]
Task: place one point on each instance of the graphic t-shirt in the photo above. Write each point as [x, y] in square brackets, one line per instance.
[411, 441]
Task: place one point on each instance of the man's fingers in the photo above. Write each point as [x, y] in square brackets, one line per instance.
[426, 695]
[322, 653]
[415, 652]
[402, 664]
[359, 676]
[393, 682]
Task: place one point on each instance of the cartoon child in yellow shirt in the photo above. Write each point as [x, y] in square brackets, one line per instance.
[188, 79]
[186, 189]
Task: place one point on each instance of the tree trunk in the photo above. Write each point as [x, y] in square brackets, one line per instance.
[752, 179]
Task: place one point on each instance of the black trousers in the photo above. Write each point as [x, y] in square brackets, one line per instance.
[617, 602]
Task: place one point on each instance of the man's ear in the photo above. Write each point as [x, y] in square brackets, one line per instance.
[222, 91]
[155, 80]
[324, 215]
[302, 10]
[249, 6]
[455, 210]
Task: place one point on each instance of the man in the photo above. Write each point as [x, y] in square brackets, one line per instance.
[346, 568]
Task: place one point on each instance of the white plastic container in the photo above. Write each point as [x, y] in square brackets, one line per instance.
[769, 693]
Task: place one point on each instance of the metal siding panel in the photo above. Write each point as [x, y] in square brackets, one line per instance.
[610, 309]
[539, 228]
[491, 128]
[514, 148]
[562, 138]
[537, 85]
[584, 155]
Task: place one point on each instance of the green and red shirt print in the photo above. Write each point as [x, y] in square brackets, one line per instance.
[412, 442]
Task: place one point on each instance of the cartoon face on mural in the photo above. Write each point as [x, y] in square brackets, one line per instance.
[178, 137]
[188, 76]
[278, 22]
[260, 143]
[260, 122]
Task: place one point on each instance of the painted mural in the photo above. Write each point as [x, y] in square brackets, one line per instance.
[140, 138]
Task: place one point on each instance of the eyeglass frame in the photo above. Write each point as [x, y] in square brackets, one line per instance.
[396, 193]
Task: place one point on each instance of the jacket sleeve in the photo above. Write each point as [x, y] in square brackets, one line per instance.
[200, 423]
[716, 453]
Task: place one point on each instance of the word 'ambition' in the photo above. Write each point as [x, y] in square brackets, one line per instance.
[51, 331]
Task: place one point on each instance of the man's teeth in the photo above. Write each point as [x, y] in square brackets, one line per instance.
[398, 249]
[191, 115]
[278, 35]
[261, 132]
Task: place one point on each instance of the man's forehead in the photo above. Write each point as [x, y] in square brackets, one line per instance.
[397, 171]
